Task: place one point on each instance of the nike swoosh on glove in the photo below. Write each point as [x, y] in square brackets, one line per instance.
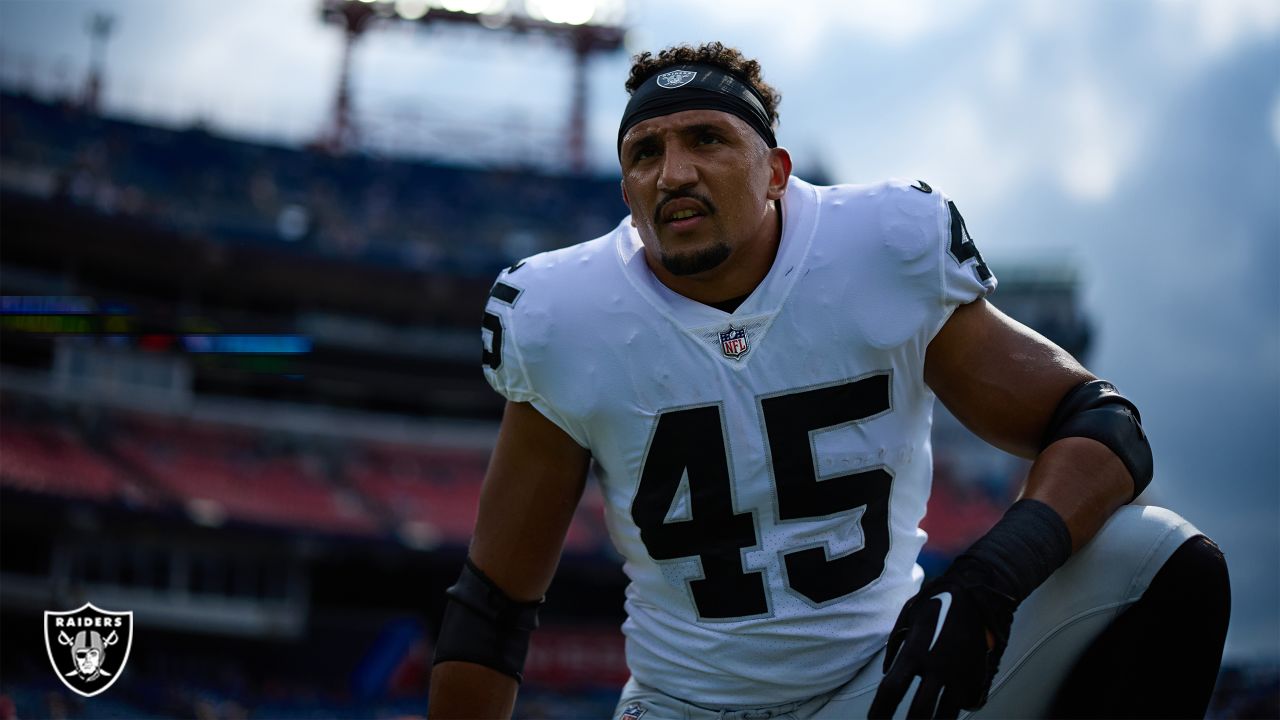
[941, 636]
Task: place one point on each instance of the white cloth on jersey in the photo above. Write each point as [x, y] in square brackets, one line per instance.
[864, 278]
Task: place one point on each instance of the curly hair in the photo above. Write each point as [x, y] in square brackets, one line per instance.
[646, 65]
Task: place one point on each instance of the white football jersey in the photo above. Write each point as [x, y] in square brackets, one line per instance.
[764, 471]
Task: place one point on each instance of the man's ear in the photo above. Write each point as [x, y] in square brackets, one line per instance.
[779, 172]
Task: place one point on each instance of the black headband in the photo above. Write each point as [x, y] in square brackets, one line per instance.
[696, 87]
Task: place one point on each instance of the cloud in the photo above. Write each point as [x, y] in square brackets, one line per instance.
[1275, 120]
[1097, 143]
[803, 31]
[957, 145]
[895, 23]
[1218, 26]
[1007, 62]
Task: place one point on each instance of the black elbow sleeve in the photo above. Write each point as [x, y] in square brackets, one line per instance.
[483, 625]
[1097, 411]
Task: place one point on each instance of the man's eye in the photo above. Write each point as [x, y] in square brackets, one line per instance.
[643, 153]
[709, 139]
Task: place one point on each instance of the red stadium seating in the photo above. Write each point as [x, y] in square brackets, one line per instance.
[50, 459]
[957, 515]
[218, 472]
[433, 493]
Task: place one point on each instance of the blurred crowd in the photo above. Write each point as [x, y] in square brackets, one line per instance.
[414, 215]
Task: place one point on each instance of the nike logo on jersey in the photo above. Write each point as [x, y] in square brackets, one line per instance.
[945, 599]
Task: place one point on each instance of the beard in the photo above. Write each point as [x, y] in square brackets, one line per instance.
[695, 261]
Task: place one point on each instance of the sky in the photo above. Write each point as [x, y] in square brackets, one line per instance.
[1137, 141]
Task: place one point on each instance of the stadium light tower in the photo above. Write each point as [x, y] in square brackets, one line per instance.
[585, 27]
[355, 18]
[99, 27]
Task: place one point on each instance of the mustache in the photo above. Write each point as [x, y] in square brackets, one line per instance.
[681, 194]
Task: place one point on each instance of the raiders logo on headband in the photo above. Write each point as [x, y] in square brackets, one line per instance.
[676, 78]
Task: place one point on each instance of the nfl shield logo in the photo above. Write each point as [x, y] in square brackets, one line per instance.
[676, 78]
[733, 342]
[633, 711]
[88, 647]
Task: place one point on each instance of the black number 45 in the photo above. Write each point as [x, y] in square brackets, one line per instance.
[690, 442]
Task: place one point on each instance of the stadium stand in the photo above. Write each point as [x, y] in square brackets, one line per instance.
[426, 496]
[398, 214]
[220, 472]
[49, 459]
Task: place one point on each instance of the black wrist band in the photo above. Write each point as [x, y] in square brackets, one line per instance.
[1021, 551]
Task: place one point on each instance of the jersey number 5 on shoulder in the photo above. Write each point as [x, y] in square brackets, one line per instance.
[692, 440]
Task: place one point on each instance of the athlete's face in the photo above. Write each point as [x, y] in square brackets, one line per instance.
[700, 185]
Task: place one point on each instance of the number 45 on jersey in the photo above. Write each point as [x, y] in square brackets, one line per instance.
[691, 441]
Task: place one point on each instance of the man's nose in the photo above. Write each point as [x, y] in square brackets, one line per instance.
[678, 170]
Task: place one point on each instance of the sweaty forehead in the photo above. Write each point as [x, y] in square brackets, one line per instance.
[680, 121]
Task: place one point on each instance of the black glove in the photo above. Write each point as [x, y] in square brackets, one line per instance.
[941, 636]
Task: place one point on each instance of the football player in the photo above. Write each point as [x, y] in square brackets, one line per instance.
[750, 362]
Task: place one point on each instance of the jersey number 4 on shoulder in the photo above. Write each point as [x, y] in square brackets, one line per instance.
[691, 442]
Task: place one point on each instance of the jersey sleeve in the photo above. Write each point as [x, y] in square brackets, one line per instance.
[913, 263]
[965, 275]
[503, 366]
[510, 368]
